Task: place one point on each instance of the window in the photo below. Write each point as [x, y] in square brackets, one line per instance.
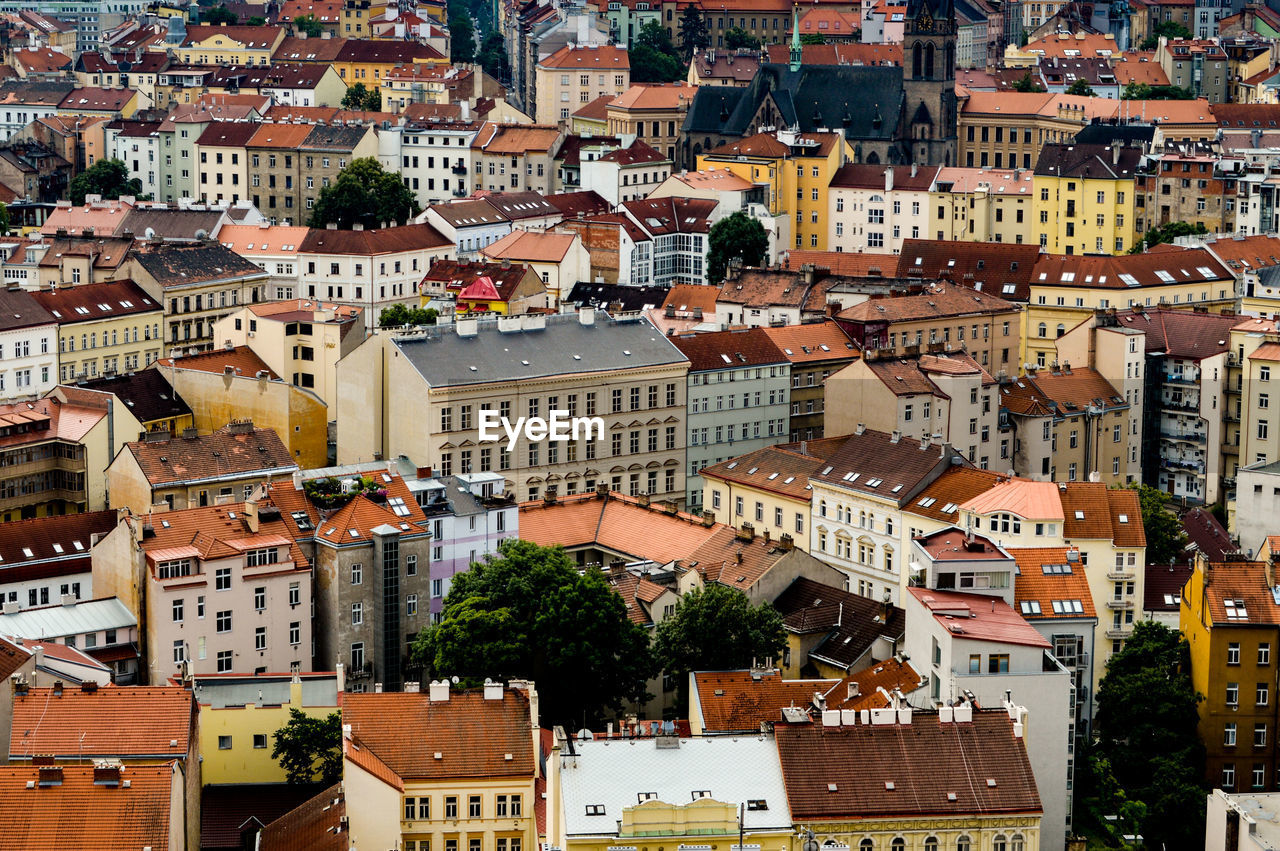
[1264, 653]
[224, 663]
[451, 806]
[1229, 776]
[295, 633]
[1229, 734]
[357, 660]
[1262, 695]
[1259, 735]
[1233, 694]
[177, 611]
[1233, 652]
[224, 742]
[357, 614]
[998, 663]
[222, 579]
[357, 574]
[259, 599]
[295, 594]
[260, 638]
[259, 740]
[473, 806]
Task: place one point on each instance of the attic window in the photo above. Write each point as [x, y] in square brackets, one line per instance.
[1123, 518]
[888, 786]
[871, 483]
[827, 470]
[57, 548]
[595, 809]
[1068, 607]
[26, 551]
[354, 533]
[79, 547]
[301, 520]
[757, 804]
[1055, 569]
[991, 783]
[646, 796]
[895, 488]
[951, 797]
[831, 787]
[1079, 515]
[949, 508]
[397, 506]
[701, 793]
[927, 501]
[1031, 607]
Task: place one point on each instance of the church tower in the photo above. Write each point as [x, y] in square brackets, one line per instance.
[929, 82]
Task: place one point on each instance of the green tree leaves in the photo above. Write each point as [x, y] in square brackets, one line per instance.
[654, 59]
[108, 178]
[367, 194]
[360, 98]
[310, 749]
[735, 236]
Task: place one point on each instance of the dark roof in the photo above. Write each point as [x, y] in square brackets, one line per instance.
[227, 810]
[223, 453]
[21, 309]
[588, 203]
[165, 222]
[316, 824]
[384, 50]
[850, 622]
[1206, 534]
[630, 298]
[457, 275]
[639, 152]
[228, 134]
[1179, 333]
[879, 464]
[329, 137]
[841, 772]
[521, 205]
[288, 75]
[999, 268]
[146, 394]
[852, 175]
[1104, 134]
[59, 544]
[1162, 587]
[659, 216]
[866, 100]
[1098, 162]
[372, 241]
[729, 349]
[175, 264]
[571, 149]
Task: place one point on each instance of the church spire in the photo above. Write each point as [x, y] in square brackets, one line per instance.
[795, 39]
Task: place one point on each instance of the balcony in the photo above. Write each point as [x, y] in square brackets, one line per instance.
[1114, 575]
[1232, 390]
[1119, 632]
[1180, 407]
[1123, 605]
[1180, 464]
[1184, 437]
[1180, 379]
[459, 169]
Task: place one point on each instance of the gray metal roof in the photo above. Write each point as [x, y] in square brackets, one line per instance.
[613, 773]
[221, 692]
[563, 346]
[58, 621]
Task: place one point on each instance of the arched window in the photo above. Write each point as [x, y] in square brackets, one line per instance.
[931, 844]
[1062, 329]
[1043, 329]
[1000, 843]
[928, 61]
[951, 60]
[866, 845]
[915, 59]
[888, 559]
[964, 844]
[822, 504]
[898, 844]
[1017, 843]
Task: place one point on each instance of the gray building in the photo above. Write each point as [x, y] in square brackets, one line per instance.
[739, 398]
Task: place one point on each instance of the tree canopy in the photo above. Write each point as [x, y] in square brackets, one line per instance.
[1146, 720]
[716, 628]
[1026, 83]
[693, 32]
[220, 15]
[310, 749]
[1081, 87]
[736, 37]
[529, 612]
[812, 38]
[1168, 29]
[360, 98]
[735, 236]
[108, 178]
[1167, 232]
[492, 56]
[1133, 90]
[308, 25]
[397, 316]
[1165, 537]
[654, 59]
[462, 35]
[367, 194]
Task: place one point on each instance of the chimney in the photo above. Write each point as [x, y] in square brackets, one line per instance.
[746, 532]
[251, 516]
[492, 690]
[888, 179]
[439, 691]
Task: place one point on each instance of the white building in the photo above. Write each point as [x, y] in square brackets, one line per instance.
[137, 145]
[1242, 822]
[369, 268]
[470, 224]
[432, 157]
[28, 347]
[873, 208]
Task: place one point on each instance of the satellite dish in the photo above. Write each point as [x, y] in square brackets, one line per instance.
[202, 234]
[455, 679]
[150, 233]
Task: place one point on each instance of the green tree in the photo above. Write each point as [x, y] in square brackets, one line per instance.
[308, 25]
[1167, 233]
[1168, 29]
[530, 612]
[737, 236]
[4, 220]
[736, 37]
[654, 59]
[462, 37]
[1147, 720]
[108, 178]
[1081, 87]
[397, 316]
[360, 98]
[257, 21]
[812, 38]
[493, 56]
[367, 194]
[1134, 90]
[1026, 84]
[220, 15]
[714, 629]
[1165, 537]
[693, 32]
[306, 747]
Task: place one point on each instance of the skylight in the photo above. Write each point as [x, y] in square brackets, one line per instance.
[1031, 607]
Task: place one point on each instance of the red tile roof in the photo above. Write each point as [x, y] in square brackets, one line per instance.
[242, 360]
[782, 471]
[79, 812]
[840, 773]
[948, 492]
[373, 241]
[985, 618]
[317, 825]
[1152, 269]
[855, 176]
[231, 450]
[218, 531]
[813, 342]
[998, 268]
[124, 722]
[1066, 582]
[588, 58]
[58, 545]
[94, 302]
[472, 735]
[719, 350]
[1181, 333]
[738, 701]
[937, 301]
[889, 675]
[619, 524]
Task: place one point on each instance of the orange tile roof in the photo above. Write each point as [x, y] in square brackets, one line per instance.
[782, 471]
[888, 675]
[133, 722]
[619, 524]
[319, 824]
[515, 138]
[358, 753]
[242, 360]
[81, 813]
[685, 298]
[736, 563]
[596, 110]
[531, 246]
[955, 487]
[663, 96]
[472, 735]
[986, 618]
[41, 60]
[356, 520]
[1172, 111]
[938, 300]
[1025, 498]
[217, 531]
[1073, 44]
[737, 701]
[1139, 68]
[1245, 585]
[588, 58]
[813, 342]
[285, 136]
[1034, 585]
[1267, 352]
[248, 240]
[846, 263]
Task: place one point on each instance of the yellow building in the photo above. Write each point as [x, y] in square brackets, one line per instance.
[1066, 290]
[103, 328]
[224, 45]
[222, 165]
[368, 61]
[239, 717]
[1085, 197]
[467, 783]
[982, 205]
[770, 483]
[794, 168]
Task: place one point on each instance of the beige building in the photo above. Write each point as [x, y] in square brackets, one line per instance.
[173, 472]
[772, 483]
[982, 205]
[218, 590]
[873, 208]
[369, 269]
[654, 112]
[576, 75]
[222, 164]
[1007, 129]
[300, 340]
[104, 328]
[423, 395]
[224, 45]
[515, 157]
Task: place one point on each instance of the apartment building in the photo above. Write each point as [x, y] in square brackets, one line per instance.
[422, 395]
[324, 153]
[273, 248]
[1196, 187]
[816, 351]
[1086, 198]
[229, 45]
[28, 349]
[770, 485]
[369, 269]
[190, 470]
[221, 161]
[273, 171]
[1197, 65]
[945, 315]
[104, 328]
[982, 205]
[726, 421]
[1008, 129]
[874, 208]
[578, 74]
[515, 157]
[58, 565]
[944, 396]
[252, 618]
[434, 157]
[654, 112]
[483, 787]
[1230, 618]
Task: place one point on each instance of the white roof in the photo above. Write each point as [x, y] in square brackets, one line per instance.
[613, 773]
[60, 621]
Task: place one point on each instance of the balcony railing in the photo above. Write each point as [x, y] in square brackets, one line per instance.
[1123, 605]
[1119, 632]
[1171, 378]
[1184, 437]
[1114, 575]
